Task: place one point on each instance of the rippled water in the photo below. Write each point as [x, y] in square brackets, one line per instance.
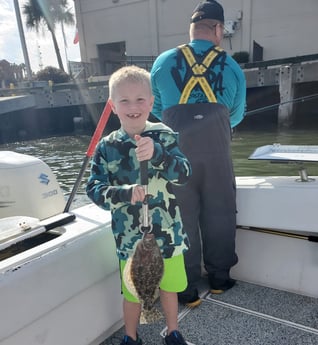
[65, 155]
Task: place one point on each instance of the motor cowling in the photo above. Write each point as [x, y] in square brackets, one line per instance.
[28, 187]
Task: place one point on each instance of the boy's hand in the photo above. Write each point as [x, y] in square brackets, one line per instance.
[145, 148]
[138, 194]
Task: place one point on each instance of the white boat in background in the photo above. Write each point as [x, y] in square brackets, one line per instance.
[66, 290]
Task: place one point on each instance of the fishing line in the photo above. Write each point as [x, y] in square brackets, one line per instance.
[273, 106]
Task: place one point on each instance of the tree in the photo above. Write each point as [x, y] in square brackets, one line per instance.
[6, 73]
[48, 13]
[54, 74]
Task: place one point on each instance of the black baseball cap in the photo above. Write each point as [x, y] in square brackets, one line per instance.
[208, 10]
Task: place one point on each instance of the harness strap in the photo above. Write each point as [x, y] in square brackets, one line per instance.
[198, 71]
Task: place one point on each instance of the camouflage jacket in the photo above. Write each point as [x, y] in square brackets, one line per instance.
[115, 169]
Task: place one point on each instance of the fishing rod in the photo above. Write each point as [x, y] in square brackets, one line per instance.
[273, 106]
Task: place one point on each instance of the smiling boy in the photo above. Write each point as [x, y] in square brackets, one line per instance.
[114, 184]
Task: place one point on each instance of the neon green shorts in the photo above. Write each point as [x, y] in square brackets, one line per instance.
[174, 277]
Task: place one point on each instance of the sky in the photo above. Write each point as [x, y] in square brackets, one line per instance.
[39, 45]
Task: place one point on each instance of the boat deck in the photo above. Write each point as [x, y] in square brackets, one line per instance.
[247, 314]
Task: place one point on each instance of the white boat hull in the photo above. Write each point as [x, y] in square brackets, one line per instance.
[65, 291]
[283, 263]
[278, 202]
[284, 259]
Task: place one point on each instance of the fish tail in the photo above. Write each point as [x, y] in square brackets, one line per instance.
[150, 315]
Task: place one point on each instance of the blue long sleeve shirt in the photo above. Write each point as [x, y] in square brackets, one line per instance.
[229, 87]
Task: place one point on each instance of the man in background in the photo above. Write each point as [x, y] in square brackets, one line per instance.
[200, 91]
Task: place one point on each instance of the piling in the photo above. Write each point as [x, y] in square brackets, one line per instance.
[286, 91]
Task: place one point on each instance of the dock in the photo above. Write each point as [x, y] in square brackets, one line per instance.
[285, 78]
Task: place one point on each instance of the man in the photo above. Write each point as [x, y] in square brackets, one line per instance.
[200, 92]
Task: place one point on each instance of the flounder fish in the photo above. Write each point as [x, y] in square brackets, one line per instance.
[142, 276]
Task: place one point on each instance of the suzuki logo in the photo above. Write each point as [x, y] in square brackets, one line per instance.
[44, 179]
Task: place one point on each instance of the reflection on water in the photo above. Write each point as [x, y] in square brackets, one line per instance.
[65, 155]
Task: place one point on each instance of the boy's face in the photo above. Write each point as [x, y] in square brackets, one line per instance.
[132, 103]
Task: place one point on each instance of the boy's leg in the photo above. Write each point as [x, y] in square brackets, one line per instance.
[169, 302]
[131, 307]
[173, 281]
[131, 318]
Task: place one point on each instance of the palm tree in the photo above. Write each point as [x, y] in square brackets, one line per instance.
[48, 13]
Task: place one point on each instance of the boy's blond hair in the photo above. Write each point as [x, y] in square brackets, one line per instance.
[125, 74]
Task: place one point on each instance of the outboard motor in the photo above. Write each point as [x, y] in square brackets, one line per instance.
[28, 187]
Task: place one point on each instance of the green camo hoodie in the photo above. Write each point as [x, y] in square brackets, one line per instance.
[114, 171]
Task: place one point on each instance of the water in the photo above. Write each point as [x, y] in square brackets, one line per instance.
[65, 155]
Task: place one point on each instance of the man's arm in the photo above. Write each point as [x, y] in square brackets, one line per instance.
[239, 105]
[157, 106]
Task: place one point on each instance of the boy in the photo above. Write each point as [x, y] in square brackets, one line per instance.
[114, 184]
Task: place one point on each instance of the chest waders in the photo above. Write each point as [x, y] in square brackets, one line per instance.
[207, 202]
[196, 122]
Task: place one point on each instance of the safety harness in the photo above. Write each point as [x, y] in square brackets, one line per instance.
[198, 72]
